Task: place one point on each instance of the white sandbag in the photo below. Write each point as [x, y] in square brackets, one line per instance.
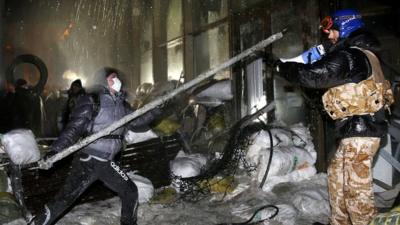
[21, 147]
[144, 185]
[284, 137]
[136, 137]
[284, 160]
[307, 201]
[262, 139]
[303, 138]
[221, 90]
[187, 165]
[280, 137]
[302, 156]
[287, 215]
[294, 176]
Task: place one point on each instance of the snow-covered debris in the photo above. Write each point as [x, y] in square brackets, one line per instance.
[20, 145]
[299, 203]
[187, 165]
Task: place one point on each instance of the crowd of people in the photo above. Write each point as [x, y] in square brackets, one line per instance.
[46, 114]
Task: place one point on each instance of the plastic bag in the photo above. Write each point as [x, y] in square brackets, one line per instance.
[295, 176]
[10, 210]
[3, 181]
[136, 137]
[20, 145]
[144, 185]
[220, 90]
[187, 165]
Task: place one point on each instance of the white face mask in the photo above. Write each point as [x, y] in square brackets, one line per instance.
[116, 84]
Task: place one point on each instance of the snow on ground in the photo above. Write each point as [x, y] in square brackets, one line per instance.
[291, 185]
[302, 203]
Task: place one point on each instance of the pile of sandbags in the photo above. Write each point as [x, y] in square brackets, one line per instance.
[293, 155]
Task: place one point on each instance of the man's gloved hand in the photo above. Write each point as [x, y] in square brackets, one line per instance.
[49, 154]
[170, 107]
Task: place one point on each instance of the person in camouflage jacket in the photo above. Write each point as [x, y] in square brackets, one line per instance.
[356, 97]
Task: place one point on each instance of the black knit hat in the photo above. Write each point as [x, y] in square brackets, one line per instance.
[107, 71]
[77, 83]
[100, 77]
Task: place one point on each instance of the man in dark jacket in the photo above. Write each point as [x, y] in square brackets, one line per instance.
[23, 105]
[75, 91]
[95, 161]
[356, 97]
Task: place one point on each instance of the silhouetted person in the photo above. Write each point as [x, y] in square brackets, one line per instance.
[74, 93]
[22, 100]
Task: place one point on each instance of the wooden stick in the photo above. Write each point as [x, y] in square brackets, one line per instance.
[159, 101]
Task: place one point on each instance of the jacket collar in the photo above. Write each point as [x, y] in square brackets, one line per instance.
[360, 38]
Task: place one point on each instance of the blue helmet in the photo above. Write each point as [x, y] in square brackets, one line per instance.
[346, 21]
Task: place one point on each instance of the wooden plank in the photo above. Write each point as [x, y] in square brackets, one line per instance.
[46, 164]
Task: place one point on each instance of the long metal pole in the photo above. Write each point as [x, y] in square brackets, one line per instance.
[159, 101]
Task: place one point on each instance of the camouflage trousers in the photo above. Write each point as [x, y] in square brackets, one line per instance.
[350, 181]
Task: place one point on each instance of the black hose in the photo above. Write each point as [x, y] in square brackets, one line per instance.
[248, 222]
[270, 155]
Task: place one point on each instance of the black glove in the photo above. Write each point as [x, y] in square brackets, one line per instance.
[49, 154]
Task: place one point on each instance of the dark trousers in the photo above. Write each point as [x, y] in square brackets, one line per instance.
[85, 170]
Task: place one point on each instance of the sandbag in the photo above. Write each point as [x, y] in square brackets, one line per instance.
[20, 145]
[3, 181]
[294, 176]
[144, 185]
[136, 137]
[167, 127]
[284, 160]
[221, 90]
[10, 209]
[187, 165]
[307, 201]
[392, 217]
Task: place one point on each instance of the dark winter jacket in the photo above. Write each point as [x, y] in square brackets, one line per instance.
[111, 109]
[341, 65]
[70, 105]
